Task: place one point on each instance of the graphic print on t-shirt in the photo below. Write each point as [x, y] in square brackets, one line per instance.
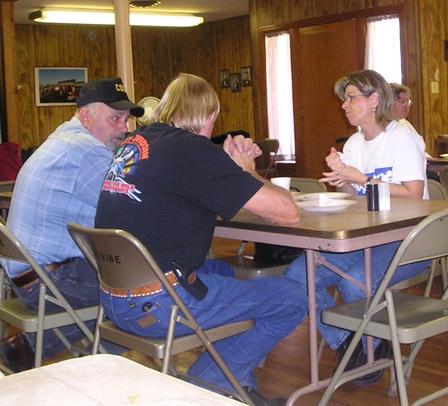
[131, 150]
[382, 174]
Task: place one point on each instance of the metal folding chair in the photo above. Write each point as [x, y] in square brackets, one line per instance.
[307, 185]
[400, 317]
[266, 164]
[14, 313]
[133, 266]
[436, 191]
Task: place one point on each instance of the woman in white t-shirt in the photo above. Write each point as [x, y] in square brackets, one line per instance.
[382, 150]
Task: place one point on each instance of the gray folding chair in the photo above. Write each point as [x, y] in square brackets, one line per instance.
[307, 185]
[436, 191]
[14, 313]
[444, 178]
[134, 267]
[439, 266]
[266, 164]
[400, 317]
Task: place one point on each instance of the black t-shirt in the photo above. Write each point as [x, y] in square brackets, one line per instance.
[166, 187]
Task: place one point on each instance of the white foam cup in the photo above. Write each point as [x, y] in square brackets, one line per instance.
[283, 182]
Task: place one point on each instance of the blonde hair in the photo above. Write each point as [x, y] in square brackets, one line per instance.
[369, 82]
[187, 103]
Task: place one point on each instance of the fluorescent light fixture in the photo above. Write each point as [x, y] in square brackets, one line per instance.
[107, 17]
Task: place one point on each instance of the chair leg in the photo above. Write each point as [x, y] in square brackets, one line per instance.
[444, 272]
[223, 366]
[322, 342]
[40, 326]
[398, 361]
[169, 339]
[342, 364]
[434, 264]
[96, 337]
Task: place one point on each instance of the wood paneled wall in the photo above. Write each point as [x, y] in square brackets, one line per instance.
[159, 54]
[434, 30]
[426, 25]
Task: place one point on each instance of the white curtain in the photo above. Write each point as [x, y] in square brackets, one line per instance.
[383, 53]
[279, 93]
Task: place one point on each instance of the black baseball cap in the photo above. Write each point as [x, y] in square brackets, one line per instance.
[110, 92]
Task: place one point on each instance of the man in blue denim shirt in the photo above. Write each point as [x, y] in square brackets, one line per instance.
[59, 183]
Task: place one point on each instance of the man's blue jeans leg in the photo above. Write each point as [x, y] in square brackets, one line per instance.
[78, 283]
[353, 264]
[277, 306]
[324, 278]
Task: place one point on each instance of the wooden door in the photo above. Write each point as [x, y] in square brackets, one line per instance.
[325, 53]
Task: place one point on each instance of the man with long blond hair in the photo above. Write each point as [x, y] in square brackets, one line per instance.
[168, 192]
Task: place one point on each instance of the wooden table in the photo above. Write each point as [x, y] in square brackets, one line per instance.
[343, 231]
[436, 164]
[102, 380]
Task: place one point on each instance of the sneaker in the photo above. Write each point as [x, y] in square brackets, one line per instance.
[17, 353]
[260, 400]
[359, 358]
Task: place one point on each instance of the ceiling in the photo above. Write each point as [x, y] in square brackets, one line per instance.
[211, 10]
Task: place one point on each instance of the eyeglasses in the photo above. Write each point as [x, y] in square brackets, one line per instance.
[404, 102]
[349, 97]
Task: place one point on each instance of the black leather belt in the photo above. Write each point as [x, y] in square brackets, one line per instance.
[30, 276]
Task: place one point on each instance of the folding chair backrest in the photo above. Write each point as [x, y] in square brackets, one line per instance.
[120, 259]
[436, 191]
[265, 163]
[444, 178]
[307, 185]
[428, 240]
[11, 248]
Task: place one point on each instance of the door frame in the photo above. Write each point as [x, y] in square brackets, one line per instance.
[293, 28]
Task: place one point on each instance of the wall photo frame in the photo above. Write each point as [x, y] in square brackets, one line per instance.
[246, 76]
[235, 82]
[224, 78]
[58, 86]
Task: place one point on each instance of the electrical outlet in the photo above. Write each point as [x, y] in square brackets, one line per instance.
[434, 87]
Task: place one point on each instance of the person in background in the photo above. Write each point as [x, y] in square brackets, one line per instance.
[402, 106]
[383, 150]
[177, 182]
[60, 183]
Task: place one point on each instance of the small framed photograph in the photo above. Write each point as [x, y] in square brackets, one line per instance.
[58, 86]
[235, 82]
[246, 78]
[224, 78]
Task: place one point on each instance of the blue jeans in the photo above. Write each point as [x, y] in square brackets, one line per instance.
[277, 306]
[353, 264]
[78, 283]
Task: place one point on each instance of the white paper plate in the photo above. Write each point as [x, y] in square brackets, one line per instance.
[444, 156]
[325, 206]
[322, 196]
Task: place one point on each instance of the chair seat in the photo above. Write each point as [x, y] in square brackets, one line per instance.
[417, 317]
[155, 347]
[15, 313]
[245, 268]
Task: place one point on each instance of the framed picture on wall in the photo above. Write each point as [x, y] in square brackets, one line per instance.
[58, 86]
[235, 82]
[246, 79]
[224, 78]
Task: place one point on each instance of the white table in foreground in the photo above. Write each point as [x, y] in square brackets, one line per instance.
[102, 379]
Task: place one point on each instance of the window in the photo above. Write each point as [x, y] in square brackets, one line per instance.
[279, 93]
[383, 53]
